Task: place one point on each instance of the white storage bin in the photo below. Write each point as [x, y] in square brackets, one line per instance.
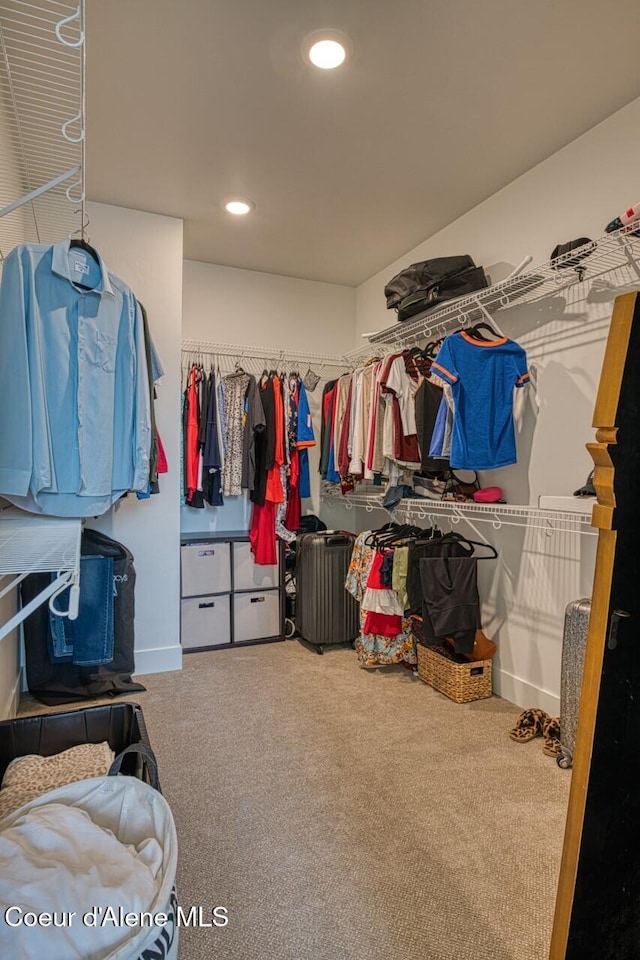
[256, 615]
[206, 569]
[206, 621]
[248, 575]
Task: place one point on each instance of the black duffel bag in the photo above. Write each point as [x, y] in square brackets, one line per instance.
[59, 683]
[422, 286]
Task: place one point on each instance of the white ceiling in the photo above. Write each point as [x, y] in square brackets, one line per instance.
[443, 103]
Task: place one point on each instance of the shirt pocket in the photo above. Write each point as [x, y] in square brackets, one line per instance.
[103, 352]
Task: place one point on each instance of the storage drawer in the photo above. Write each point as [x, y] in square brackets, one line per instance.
[206, 568]
[248, 575]
[256, 615]
[206, 621]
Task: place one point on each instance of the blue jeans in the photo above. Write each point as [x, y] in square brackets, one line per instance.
[88, 640]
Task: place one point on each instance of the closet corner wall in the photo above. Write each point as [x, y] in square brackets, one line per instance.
[146, 250]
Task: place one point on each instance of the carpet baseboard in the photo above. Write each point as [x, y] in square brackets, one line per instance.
[524, 694]
[158, 660]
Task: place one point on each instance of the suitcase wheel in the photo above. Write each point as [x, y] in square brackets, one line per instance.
[564, 761]
[319, 650]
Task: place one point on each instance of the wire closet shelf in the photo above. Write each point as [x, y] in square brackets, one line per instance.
[42, 121]
[613, 251]
[34, 544]
[497, 514]
[199, 350]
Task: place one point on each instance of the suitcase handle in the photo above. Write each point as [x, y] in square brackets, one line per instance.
[616, 617]
[336, 539]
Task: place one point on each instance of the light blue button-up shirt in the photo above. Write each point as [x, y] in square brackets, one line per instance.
[75, 425]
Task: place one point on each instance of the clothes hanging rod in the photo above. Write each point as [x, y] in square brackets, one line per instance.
[497, 514]
[238, 350]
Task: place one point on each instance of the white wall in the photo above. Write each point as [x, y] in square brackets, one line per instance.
[260, 309]
[145, 250]
[12, 229]
[9, 658]
[574, 193]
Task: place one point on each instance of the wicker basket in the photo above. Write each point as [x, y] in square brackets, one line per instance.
[461, 682]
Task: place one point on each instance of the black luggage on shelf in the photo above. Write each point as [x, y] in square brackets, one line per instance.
[574, 643]
[59, 683]
[326, 614]
[424, 300]
[424, 285]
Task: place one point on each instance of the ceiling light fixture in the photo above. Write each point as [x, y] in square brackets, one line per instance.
[327, 49]
[327, 54]
[239, 207]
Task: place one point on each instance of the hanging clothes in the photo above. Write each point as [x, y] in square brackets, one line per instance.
[75, 393]
[264, 444]
[373, 647]
[235, 387]
[305, 439]
[482, 375]
[254, 424]
[192, 450]
[212, 451]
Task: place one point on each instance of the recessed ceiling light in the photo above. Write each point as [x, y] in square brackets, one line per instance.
[327, 49]
[327, 54]
[239, 207]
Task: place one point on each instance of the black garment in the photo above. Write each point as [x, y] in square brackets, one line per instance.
[449, 546]
[204, 406]
[325, 429]
[386, 570]
[254, 424]
[212, 455]
[265, 443]
[451, 601]
[269, 406]
[428, 399]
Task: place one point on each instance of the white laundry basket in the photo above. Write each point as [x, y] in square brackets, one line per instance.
[47, 872]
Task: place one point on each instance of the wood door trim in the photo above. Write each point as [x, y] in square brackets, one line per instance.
[604, 421]
[594, 655]
[615, 355]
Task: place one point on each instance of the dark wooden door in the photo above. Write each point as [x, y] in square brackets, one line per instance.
[598, 904]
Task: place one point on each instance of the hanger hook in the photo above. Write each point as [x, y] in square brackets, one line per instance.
[82, 229]
[72, 186]
[550, 530]
[65, 22]
[497, 522]
[67, 124]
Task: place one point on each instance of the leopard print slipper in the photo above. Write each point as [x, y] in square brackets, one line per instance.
[529, 725]
[551, 733]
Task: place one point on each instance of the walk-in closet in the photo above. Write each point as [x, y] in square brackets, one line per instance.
[319, 348]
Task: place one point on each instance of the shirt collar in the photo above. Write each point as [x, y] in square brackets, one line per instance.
[60, 265]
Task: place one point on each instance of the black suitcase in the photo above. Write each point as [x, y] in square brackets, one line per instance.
[59, 683]
[325, 613]
[574, 642]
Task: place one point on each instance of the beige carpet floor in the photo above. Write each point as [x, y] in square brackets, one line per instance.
[349, 814]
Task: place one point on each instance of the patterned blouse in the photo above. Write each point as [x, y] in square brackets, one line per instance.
[235, 388]
[371, 648]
